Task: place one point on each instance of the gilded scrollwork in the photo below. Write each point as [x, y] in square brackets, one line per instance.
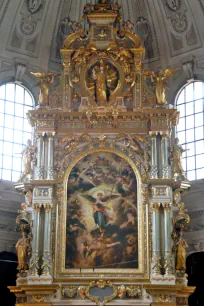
[84, 292]
[69, 291]
[166, 299]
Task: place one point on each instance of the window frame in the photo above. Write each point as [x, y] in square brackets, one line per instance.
[191, 131]
[19, 117]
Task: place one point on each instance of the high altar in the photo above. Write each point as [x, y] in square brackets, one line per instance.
[102, 221]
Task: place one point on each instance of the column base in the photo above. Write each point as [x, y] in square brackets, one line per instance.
[33, 279]
[46, 279]
[169, 279]
[181, 281]
[163, 279]
[157, 279]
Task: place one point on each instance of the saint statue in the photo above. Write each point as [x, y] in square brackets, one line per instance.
[23, 249]
[28, 156]
[160, 82]
[181, 247]
[45, 82]
[177, 159]
[100, 78]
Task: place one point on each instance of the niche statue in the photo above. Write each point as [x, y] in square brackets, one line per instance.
[23, 249]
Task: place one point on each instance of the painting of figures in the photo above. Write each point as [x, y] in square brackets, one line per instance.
[101, 220]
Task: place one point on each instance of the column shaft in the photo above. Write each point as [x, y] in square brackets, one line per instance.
[168, 259]
[34, 261]
[164, 153]
[156, 256]
[154, 171]
[50, 157]
[40, 158]
[46, 267]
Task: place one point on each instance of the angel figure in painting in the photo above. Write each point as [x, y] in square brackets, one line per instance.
[160, 82]
[45, 82]
[99, 210]
[28, 156]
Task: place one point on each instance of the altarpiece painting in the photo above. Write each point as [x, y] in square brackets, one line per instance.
[101, 220]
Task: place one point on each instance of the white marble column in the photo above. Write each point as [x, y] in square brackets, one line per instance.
[40, 157]
[164, 154]
[34, 261]
[50, 174]
[154, 166]
[168, 258]
[46, 266]
[156, 252]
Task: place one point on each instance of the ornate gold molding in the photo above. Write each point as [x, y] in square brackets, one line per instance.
[167, 207]
[155, 206]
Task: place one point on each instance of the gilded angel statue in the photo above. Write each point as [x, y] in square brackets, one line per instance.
[44, 82]
[102, 81]
[160, 82]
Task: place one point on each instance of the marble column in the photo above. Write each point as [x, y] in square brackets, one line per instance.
[40, 157]
[164, 154]
[168, 258]
[156, 253]
[46, 266]
[50, 174]
[154, 168]
[34, 261]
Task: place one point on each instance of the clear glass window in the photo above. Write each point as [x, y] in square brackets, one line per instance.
[15, 101]
[190, 130]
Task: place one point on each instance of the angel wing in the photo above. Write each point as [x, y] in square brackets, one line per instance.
[38, 75]
[124, 52]
[77, 53]
[68, 138]
[89, 198]
[168, 72]
[141, 138]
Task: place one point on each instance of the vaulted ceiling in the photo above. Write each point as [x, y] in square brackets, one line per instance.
[31, 32]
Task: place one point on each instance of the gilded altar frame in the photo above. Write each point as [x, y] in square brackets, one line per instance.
[125, 274]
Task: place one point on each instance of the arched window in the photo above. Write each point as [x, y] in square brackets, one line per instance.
[190, 130]
[15, 101]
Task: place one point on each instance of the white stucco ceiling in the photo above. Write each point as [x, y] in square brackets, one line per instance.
[172, 30]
